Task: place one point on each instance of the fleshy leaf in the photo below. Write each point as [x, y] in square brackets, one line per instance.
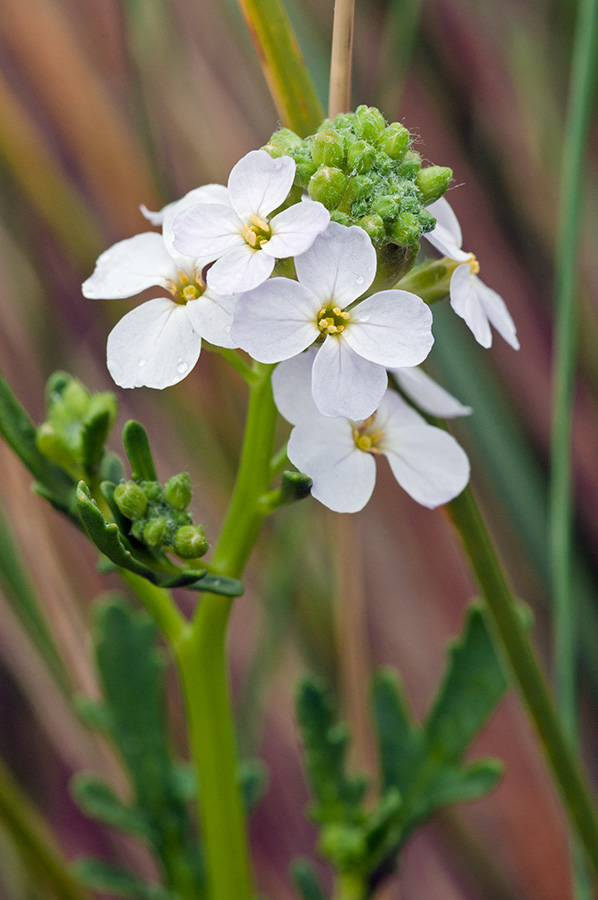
[94, 433]
[98, 801]
[137, 448]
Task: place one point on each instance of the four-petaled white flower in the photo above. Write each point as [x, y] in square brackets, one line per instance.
[471, 299]
[158, 343]
[239, 234]
[279, 319]
[339, 454]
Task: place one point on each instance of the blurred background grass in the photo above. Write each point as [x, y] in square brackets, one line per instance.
[104, 106]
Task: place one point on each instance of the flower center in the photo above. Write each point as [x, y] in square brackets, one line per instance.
[366, 436]
[187, 288]
[332, 320]
[474, 264]
[257, 233]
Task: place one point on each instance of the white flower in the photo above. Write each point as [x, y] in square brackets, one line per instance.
[428, 394]
[339, 454]
[158, 343]
[239, 235]
[281, 318]
[471, 299]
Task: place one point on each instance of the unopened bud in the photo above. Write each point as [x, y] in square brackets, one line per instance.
[406, 230]
[394, 140]
[131, 500]
[152, 490]
[327, 149]
[358, 186]
[361, 156]
[304, 171]
[105, 402]
[52, 444]
[76, 399]
[433, 182]
[284, 140]
[155, 532]
[341, 218]
[411, 164]
[328, 186]
[178, 490]
[369, 122]
[374, 226]
[190, 541]
[386, 207]
[294, 486]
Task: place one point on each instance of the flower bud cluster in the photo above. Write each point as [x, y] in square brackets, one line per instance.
[78, 423]
[159, 516]
[366, 173]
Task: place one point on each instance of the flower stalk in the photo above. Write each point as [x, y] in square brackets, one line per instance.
[339, 99]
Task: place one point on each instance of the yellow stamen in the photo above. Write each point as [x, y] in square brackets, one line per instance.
[474, 265]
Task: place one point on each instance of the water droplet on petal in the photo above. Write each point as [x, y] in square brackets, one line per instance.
[277, 164]
[181, 367]
[360, 279]
[141, 363]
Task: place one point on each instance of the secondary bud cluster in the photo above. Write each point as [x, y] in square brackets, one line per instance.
[366, 173]
[77, 426]
[159, 516]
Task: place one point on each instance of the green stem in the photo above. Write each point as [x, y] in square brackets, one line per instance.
[581, 100]
[511, 631]
[159, 604]
[349, 887]
[36, 845]
[201, 655]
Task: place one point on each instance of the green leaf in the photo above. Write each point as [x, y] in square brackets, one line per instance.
[473, 685]
[337, 795]
[112, 879]
[98, 801]
[94, 433]
[464, 783]
[106, 536]
[137, 448]
[19, 433]
[215, 584]
[253, 777]
[399, 738]
[95, 715]
[306, 880]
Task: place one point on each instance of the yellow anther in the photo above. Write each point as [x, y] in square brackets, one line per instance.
[345, 315]
[474, 265]
[261, 224]
[336, 310]
[331, 320]
[363, 442]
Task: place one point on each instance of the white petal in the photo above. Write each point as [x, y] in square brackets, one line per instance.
[276, 321]
[428, 394]
[258, 184]
[295, 229]
[467, 303]
[497, 312]
[153, 346]
[155, 217]
[343, 476]
[345, 384]
[240, 270]
[339, 265]
[129, 267]
[447, 225]
[395, 413]
[428, 463]
[391, 328]
[207, 230]
[212, 318]
[208, 193]
[291, 385]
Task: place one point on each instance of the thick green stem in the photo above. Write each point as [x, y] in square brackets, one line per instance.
[511, 631]
[349, 887]
[201, 656]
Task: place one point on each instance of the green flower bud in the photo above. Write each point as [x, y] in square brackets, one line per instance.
[358, 186]
[361, 156]
[374, 226]
[75, 398]
[327, 149]
[304, 171]
[369, 122]
[394, 140]
[51, 442]
[131, 500]
[273, 149]
[155, 532]
[426, 221]
[328, 186]
[406, 230]
[433, 182]
[386, 207]
[341, 217]
[178, 490]
[152, 490]
[294, 486]
[190, 541]
[412, 163]
[105, 402]
[284, 140]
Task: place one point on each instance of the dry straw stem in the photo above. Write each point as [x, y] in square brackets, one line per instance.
[339, 99]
